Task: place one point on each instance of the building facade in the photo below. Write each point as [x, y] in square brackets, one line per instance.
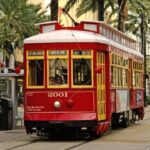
[42, 2]
[66, 21]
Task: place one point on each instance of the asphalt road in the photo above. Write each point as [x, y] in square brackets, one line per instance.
[135, 137]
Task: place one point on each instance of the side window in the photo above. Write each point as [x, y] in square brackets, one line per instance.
[58, 68]
[137, 76]
[35, 68]
[119, 71]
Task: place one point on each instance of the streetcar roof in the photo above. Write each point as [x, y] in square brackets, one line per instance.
[76, 36]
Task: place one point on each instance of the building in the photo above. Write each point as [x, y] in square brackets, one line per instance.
[42, 2]
[65, 20]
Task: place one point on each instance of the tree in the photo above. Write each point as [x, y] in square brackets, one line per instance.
[90, 5]
[119, 7]
[17, 19]
[54, 10]
[122, 15]
[138, 10]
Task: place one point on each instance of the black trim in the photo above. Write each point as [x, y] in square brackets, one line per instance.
[45, 124]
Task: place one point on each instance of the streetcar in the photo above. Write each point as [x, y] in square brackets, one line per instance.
[85, 79]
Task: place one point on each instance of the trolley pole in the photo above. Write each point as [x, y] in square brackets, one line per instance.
[143, 51]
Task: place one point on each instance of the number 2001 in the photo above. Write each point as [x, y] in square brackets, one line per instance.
[57, 94]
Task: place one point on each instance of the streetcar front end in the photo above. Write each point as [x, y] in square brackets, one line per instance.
[59, 91]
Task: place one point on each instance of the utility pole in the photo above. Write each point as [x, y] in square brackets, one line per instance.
[143, 51]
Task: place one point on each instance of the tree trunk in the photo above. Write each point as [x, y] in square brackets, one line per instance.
[101, 10]
[122, 14]
[54, 10]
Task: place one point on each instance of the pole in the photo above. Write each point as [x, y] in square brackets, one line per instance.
[145, 66]
[14, 101]
[143, 51]
[75, 23]
[101, 10]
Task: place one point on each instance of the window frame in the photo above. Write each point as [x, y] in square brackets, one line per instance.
[50, 57]
[85, 57]
[137, 69]
[117, 67]
[28, 58]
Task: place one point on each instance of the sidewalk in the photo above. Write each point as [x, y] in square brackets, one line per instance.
[147, 113]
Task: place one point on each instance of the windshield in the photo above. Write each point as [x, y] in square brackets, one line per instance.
[82, 72]
[58, 68]
[35, 69]
[82, 67]
[58, 71]
[35, 77]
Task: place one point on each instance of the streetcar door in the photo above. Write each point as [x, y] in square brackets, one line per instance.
[101, 89]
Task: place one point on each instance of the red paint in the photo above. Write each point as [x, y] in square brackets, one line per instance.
[64, 46]
[70, 103]
[80, 100]
[98, 69]
[60, 116]
[102, 127]
[108, 85]
[134, 102]
[17, 70]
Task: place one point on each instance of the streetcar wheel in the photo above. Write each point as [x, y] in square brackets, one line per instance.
[126, 122]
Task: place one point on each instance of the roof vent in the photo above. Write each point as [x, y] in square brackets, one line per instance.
[48, 28]
[90, 27]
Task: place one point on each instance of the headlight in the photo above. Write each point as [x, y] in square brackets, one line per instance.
[57, 104]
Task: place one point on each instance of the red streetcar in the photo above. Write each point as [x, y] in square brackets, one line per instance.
[84, 79]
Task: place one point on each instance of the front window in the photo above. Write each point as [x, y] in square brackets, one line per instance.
[35, 69]
[82, 67]
[36, 76]
[82, 71]
[58, 68]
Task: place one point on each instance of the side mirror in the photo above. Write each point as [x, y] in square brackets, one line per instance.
[98, 69]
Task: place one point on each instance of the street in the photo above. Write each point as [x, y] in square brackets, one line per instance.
[74, 75]
[135, 137]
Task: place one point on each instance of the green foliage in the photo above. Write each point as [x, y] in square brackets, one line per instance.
[133, 23]
[90, 5]
[86, 6]
[17, 19]
[148, 100]
[70, 4]
[134, 10]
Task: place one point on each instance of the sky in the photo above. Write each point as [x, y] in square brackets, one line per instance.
[46, 3]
